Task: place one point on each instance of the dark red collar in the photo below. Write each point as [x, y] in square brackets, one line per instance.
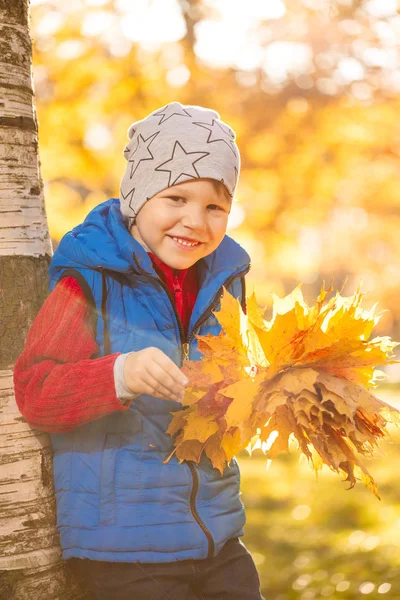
[167, 273]
[182, 284]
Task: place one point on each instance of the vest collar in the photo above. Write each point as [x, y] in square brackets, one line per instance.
[103, 240]
[169, 274]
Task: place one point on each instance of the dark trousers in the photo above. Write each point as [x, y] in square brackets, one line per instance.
[231, 575]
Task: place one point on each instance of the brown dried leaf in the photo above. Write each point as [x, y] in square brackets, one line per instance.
[302, 375]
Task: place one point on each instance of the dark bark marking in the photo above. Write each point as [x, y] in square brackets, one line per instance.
[22, 123]
[22, 88]
[46, 468]
[17, 11]
[23, 289]
[43, 583]
[11, 38]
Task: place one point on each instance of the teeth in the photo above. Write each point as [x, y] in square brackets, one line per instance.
[184, 243]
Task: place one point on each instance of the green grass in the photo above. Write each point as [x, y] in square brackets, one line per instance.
[314, 539]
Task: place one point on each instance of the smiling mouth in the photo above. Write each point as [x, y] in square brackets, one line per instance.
[184, 242]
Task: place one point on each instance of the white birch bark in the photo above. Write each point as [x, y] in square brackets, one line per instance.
[26, 539]
[23, 226]
[30, 563]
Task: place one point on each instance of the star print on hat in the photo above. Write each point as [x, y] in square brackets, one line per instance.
[170, 110]
[141, 152]
[219, 133]
[179, 155]
[175, 144]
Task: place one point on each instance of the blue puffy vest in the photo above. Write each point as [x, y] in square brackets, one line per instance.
[116, 499]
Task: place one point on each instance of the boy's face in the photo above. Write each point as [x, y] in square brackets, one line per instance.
[183, 223]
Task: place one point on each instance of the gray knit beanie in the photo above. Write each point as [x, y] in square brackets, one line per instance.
[176, 144]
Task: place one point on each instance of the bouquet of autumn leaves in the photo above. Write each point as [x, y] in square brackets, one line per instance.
[304, 374]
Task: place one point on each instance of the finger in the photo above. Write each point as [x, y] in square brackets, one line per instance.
[160, 390]
[163, 375]
[169, 367]
[146, 388]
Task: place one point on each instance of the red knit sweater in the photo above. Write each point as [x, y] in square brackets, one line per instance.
[58, 385]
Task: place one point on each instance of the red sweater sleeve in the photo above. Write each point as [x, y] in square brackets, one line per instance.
[58, 385]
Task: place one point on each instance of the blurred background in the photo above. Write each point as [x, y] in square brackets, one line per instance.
[311, 88]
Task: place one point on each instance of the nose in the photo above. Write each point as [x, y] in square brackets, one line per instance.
[194, 217]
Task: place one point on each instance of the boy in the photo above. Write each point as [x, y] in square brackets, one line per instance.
[132, 286]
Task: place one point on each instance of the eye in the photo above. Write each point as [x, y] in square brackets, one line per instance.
[215, 207]
[176, 199]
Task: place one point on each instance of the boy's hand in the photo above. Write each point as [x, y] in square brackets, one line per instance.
[150, 371]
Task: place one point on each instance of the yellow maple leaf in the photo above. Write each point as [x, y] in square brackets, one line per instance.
[242, 393]
[198, 427]
[213, 449]
[231, 443]
[303, 375]
[231, 318]
[254, 313]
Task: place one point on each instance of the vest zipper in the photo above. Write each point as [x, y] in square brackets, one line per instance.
[214, 304]
[185, 344]
[184, 351]
[191, 465]
[193, 494]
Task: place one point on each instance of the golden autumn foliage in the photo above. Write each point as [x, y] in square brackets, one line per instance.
[304, 374]
[320, 149]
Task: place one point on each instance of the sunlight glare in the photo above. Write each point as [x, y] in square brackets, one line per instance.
[178, 76]
[233, 38]
[236, 216]
[97, 137]
[381, 8]
[379, 57]
[367, 587]
[119, 46]
[384, 588]
[283, 59]
[96, 2]
[301, 512]
[220, 43]
[49, 24]
[343, 586]
[350, 69]
[239, 10]
[96, 23]
[156, 22]
[70, 49]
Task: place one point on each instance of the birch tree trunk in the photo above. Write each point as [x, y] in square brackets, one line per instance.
[30, 564]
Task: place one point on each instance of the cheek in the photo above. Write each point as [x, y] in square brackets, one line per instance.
[164, 218]
[218, 227]
[155, 225]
